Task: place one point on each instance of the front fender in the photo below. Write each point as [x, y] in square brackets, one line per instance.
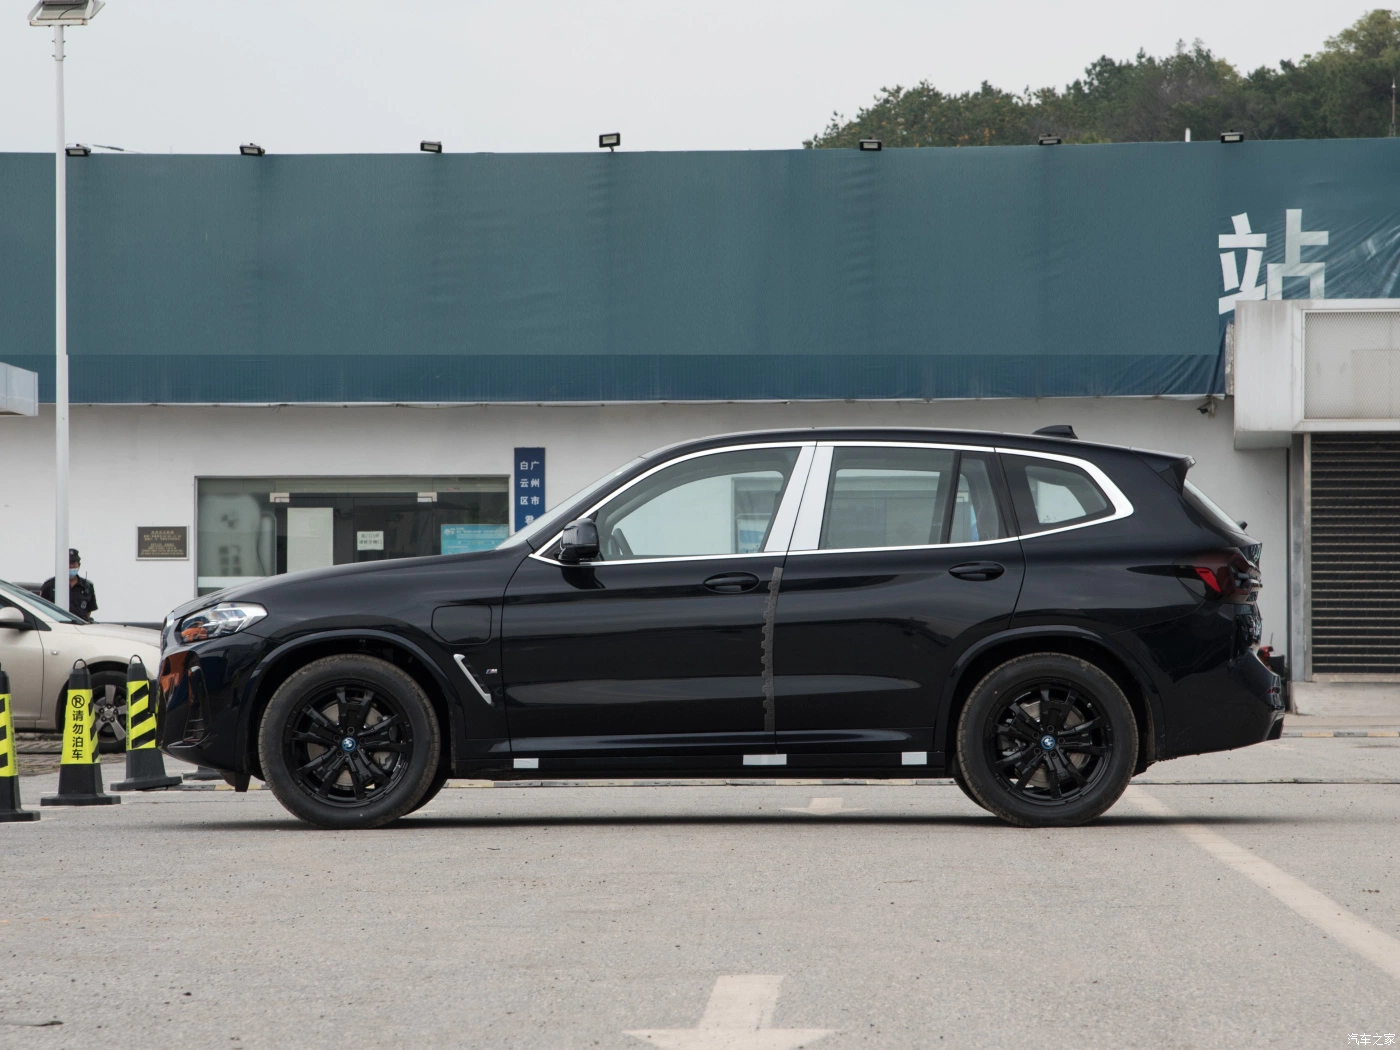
[457, 715]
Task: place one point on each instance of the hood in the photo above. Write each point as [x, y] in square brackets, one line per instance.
[120, 633]
[266, 590]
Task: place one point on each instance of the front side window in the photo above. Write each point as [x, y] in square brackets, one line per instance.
[717, 504]
[1049, 494]
[881, 496]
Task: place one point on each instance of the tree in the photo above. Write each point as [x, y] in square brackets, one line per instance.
[1343, 91]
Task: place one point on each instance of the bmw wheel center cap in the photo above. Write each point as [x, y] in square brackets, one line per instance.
[1047, 742]
[349, 744]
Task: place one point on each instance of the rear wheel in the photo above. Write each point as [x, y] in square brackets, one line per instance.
[1047, 740]
[349, 742]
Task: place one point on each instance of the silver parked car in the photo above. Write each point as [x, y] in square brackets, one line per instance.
[38, 644]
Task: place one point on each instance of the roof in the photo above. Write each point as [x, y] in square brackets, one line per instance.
[929, 273]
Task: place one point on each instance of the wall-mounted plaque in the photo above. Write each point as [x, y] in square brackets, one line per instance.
[162, 541]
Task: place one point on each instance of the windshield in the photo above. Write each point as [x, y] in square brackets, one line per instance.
[542, 525]
[1213, 510]
[36, 604]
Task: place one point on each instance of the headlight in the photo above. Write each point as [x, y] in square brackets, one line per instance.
[218, 620]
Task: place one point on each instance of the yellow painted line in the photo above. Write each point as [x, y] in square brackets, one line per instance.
[1321, 732]
[1374, 945]
[1383, 732]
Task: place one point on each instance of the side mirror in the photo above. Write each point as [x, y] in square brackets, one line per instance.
[578, 542]
[13, 619]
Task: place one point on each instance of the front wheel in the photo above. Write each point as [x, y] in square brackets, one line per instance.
[1047, 740]
[349, 742]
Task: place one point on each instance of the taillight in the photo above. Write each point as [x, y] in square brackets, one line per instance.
[1227, 575]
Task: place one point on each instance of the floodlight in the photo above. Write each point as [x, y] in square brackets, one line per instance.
[610, 141]
[1049, 140]
[64, 12]
[1232, 136]
[871, 145]
[78, 150]
[251, 149]
[430, 147]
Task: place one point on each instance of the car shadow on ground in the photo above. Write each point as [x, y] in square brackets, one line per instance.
[969, 820]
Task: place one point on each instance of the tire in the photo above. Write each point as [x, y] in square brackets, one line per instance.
[439, 779]
[344, 707]
[1036, 768]
[956, 773]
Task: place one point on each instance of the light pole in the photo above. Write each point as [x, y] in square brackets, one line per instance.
[58, 14]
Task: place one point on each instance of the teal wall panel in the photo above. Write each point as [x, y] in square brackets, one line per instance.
[998, 272]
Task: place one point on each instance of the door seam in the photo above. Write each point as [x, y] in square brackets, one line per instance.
[770, 613]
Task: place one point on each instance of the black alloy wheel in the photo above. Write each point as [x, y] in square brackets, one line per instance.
[1047, 740]
[349, 742]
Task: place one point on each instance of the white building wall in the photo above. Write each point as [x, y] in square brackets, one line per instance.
[137, 465]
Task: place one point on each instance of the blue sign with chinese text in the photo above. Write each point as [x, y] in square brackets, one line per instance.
[528, 486]
[462, 539]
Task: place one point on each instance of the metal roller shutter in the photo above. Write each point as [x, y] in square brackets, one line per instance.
[1355, 541]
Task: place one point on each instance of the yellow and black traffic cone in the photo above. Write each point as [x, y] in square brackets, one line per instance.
[80, 769]
[10, 809]
[145, 769]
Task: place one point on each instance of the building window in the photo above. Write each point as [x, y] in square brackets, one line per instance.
[250, 528]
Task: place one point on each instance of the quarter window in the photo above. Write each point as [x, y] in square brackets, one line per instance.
[710, 505]
[1049, 494]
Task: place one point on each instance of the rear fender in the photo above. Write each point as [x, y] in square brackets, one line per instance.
[1022, 640]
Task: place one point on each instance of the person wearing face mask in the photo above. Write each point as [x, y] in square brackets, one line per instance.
[82, 596]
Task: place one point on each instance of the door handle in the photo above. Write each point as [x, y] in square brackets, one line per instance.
[732, 582]
[977, 570]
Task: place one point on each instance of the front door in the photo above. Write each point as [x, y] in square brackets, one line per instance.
[656, 646]
[896, 571]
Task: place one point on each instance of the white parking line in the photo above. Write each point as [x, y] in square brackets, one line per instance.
[737, 1018]
[1373, 945]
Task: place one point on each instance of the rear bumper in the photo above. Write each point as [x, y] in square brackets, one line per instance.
[1238, 704]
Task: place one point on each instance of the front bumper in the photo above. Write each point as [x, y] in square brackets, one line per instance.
[202, 692]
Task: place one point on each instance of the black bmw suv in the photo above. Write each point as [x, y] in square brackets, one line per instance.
[1037, 617]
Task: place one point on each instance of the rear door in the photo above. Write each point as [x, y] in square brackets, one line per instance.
[903, 556]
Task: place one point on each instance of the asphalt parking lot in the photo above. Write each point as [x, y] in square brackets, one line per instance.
[1197, 913]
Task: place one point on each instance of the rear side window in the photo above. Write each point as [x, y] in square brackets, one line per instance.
[1049, 494]
[886, 497]
[881, 496]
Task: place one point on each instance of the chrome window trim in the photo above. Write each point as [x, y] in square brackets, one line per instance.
[812, 514]
[792, 492]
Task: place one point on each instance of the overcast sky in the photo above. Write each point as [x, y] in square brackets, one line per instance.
[313, 76]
